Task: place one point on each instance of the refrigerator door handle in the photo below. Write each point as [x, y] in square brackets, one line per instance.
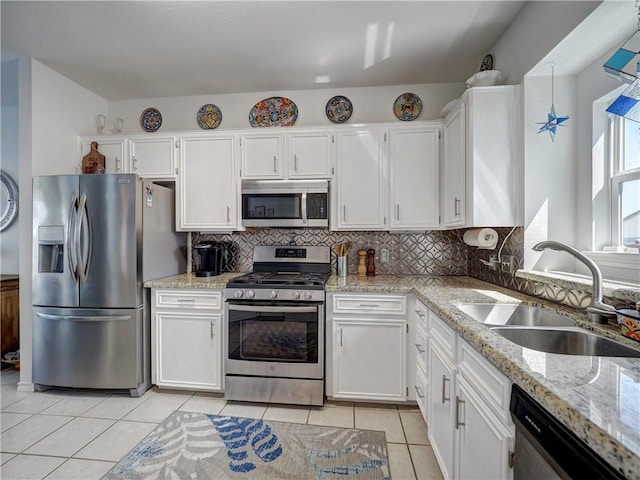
[83, 267]
[101, 318]
[69, 242]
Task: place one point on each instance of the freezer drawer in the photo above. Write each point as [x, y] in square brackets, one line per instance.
[89, 348]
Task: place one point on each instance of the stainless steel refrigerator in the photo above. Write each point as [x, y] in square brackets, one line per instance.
[96, 239]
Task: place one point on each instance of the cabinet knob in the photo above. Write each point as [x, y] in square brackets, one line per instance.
[444, 388]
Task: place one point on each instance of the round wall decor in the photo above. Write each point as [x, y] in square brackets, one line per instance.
[407, 107]
[150, 120]
[8, 200]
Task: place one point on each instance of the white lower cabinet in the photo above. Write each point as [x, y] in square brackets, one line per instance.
[482, 442]
[470, 427]
[369, 359]
[366, 347]
[442, 379]
[187, 342]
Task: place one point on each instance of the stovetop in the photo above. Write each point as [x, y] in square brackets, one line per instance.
[305, 280]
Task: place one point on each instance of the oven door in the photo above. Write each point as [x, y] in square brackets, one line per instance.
[275, 340]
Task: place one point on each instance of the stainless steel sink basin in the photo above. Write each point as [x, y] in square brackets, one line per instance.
[568, 341]
[513, 314]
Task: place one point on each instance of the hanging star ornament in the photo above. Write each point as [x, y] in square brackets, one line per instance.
[552, 123]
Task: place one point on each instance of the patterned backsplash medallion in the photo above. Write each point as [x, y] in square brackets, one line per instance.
[428, 253]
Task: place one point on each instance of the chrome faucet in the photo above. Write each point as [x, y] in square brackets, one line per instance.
[597, 311]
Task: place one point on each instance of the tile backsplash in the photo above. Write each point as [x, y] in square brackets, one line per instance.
[428, 253]
[425, 253]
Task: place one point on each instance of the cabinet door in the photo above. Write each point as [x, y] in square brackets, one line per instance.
[189, 350]
[310, 154]
[207, 185]
[153, 157]
[441, 409]
[453, 199]
[483, 443]
[369, 359]
[360, 197]
[262, 156]
[114, 151]
[414, 194]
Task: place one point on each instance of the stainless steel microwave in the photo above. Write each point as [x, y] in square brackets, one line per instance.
[279, 203]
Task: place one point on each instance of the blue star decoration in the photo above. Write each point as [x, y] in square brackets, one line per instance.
[552, 123]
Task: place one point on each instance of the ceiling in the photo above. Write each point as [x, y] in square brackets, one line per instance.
[132, 49]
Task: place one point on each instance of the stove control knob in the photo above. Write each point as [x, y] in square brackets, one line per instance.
[307, 295]
[238, 293]
[296, 295]
[251, 294]
[273, 294]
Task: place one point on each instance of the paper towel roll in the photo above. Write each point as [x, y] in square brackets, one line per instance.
[485, 238]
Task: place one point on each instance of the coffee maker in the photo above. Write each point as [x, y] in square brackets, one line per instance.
[208, 259]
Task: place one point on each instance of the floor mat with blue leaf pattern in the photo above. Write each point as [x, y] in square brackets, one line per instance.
[207, 447]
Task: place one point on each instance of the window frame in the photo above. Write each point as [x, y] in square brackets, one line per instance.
[617, 176]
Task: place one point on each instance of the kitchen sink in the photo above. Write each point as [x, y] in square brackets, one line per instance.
[568, 341]
[514, 314]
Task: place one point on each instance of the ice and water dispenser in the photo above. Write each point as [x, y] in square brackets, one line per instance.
[51, 249]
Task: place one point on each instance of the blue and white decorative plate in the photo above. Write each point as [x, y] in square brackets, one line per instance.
[150, 120]
[339, 109]
[407, 107]
[209, 116]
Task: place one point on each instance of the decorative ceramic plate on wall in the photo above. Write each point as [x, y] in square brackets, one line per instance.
[209, 116]
[273, 112]
[487, 63]
[407, 106]
[150, 120]
[339, 109]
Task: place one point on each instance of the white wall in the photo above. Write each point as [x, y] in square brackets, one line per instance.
[550, 171]
[537, 29]
[53, 110]
[9, 238]
[372, 104]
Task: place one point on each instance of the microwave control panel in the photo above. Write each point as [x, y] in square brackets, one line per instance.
[317, 205]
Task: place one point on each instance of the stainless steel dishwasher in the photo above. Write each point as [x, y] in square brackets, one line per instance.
[546, 449]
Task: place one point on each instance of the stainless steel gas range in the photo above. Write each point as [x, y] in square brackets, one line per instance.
[275, 327]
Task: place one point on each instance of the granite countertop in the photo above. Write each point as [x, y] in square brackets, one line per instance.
[598, 398]
[189, 280]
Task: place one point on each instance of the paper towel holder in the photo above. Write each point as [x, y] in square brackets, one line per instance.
[482, 238]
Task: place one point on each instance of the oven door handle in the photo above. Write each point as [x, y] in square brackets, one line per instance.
[266, 308]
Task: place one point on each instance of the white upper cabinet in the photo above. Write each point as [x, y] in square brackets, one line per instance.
[414, 157]
[485, 193]
[262, 155]
[207, 186]
[153, 156]
[303, 154]
[359, 193]
[113, 149]
[453, 168]
[310, 154]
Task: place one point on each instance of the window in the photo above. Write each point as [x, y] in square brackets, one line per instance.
[625, 181]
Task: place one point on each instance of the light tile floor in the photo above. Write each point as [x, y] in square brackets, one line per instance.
[66, 435]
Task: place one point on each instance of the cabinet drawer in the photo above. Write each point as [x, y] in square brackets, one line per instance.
[421, 390]
[189, 299]
[372, 304]
[421, 349]
[491, 384]
[444, 335]
[422, 315]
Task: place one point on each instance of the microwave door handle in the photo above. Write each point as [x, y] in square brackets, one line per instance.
[304, 208]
